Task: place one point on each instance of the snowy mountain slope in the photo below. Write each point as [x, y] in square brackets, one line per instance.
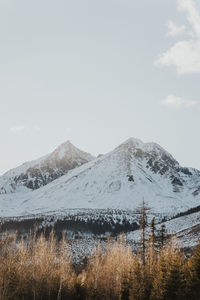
[120, 179]
[186, 228]
[32, 175]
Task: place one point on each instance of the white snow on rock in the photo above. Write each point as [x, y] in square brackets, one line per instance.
[120, 179]
[35, 174]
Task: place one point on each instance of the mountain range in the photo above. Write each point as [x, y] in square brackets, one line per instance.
[69, 178]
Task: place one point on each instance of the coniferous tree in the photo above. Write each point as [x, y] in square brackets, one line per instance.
[153, 239]
[194, 273]
[162, 236]
[170, 276]
[153, 232]
[143, 268]
[138, 286]
[143, 226]
[159, 288]
[127, 284]
[151, 257]
[176, 284]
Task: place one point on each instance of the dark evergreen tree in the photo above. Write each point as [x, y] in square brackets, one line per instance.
[194, 273]
[143, 226]
[175, 279]
[170, 276]
[152, 236]
[162, 236]
[126, 288]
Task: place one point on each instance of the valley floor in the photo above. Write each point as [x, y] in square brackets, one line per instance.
[85, 229]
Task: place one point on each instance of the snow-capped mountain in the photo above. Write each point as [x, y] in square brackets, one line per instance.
[35, 174]
[119, 180]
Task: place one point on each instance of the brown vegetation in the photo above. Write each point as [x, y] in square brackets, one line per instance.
[41, 268]
[38, 269]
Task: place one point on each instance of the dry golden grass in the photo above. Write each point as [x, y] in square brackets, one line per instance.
[41, 269]
[108, 271]
[38, 269]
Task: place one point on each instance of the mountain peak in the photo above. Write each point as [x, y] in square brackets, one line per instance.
[117, 180]
[152, 154]
[134, 142]
[40, 172]
[67, 144]
[130, 144]
[63, 149]
[150, 147]
[68, 150]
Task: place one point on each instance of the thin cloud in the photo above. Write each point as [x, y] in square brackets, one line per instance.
[185, 54]
[22, 128]
[178, 102]
[174, 29]
[17, 129]
[36, 128]
[193, 16]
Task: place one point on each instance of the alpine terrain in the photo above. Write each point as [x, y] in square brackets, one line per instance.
[35, 174]
[88, 196]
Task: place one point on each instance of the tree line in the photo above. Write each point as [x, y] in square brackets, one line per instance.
[75, 224]
[41, 268]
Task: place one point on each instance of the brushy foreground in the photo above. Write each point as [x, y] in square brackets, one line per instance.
[41, 268]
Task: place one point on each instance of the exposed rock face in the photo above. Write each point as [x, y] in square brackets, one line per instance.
[159, 161]
[91, 198]
[71, 179]
[33, 175]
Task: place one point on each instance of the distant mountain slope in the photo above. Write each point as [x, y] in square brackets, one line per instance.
[186, 228]
[35, 174]
[120, 179]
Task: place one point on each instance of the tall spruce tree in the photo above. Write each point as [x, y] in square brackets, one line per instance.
[194, 273]
[138, 290]
[143, 226]
[176, 283]
[152, 236]
[162, 236]
[159, 289]
[170, 276]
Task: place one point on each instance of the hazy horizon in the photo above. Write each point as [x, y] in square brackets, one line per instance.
[97, 73]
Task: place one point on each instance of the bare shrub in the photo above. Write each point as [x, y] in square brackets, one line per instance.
[38, 269]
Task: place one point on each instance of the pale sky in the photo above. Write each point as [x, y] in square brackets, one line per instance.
[98, 72]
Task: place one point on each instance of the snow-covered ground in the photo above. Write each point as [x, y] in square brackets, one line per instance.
[112, 185]
[185, 228]
[120, 180]
[35, 174]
